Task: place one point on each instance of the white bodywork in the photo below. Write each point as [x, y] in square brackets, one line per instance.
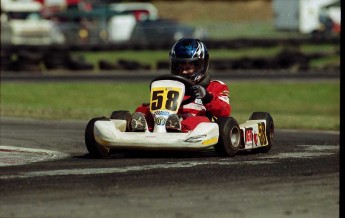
[254, 134]
[111, 134]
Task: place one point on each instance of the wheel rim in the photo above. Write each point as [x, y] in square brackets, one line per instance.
[235, 136]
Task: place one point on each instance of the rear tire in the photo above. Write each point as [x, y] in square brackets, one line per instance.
[122, 115]
[92, 146]
[229, 137]
[269, 129]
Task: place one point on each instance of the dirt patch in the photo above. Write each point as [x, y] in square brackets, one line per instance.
[216, 11]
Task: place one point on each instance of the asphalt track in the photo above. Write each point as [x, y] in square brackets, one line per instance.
[299, 177]
[45, 171]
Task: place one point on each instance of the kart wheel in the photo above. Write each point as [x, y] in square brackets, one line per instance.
[122, 115]
[229, 137]
[269, 129]
[92, 146]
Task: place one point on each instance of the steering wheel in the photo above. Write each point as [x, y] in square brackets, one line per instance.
[186, 82]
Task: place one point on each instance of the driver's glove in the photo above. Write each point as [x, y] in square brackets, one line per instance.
[201, 93]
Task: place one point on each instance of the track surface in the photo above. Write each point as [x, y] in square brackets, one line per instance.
[299, 177]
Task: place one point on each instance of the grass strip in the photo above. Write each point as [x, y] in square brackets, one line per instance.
[297, 105]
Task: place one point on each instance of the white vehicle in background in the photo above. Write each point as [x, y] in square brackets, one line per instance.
[121, 27]
[22, 24]
[139, 23]
[121, 23]
[141, 11]
[307, 16]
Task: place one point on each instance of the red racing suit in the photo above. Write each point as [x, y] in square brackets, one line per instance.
[197, 111]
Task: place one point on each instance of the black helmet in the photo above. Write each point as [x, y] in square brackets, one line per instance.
[191, 51]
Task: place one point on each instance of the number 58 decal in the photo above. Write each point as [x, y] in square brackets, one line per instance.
[165, 99]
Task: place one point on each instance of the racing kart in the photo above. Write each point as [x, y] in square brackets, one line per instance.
[105, 135]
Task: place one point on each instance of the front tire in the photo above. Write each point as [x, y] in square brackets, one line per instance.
[229, 137]
[269, 129]
[122, 115]
[92, 146]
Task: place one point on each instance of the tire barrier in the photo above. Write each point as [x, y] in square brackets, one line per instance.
[132, 65]
[5, 61]
[106, 65]
[291, 60]
[162, 65]
[79, 63]
[25, 60]
[56, 58]
[286, 59]
[39, 58]
[122, 65]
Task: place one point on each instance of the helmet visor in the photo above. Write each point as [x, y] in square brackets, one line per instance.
[187, 69]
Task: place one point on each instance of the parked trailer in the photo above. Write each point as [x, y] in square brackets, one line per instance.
[303, 15]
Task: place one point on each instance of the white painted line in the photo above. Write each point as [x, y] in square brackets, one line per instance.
[307, 151]
[302, 151]
[13, 156]
[96, 171]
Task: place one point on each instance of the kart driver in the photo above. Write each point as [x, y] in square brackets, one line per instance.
[189, 58]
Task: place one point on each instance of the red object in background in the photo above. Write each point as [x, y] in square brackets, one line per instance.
[141, 14]
[72, 2]
[57, 2]
[336, 27]
[40, 1]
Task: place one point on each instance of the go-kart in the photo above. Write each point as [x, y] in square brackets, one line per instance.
[105, 135]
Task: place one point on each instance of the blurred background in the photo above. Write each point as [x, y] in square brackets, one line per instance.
[93, 35]
[77, 40]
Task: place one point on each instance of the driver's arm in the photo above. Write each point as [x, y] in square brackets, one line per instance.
[219, 105]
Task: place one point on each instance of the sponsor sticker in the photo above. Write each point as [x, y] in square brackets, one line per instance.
[210, 141]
